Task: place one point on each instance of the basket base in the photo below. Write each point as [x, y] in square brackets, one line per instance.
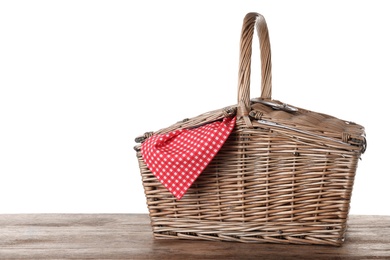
[314, 233]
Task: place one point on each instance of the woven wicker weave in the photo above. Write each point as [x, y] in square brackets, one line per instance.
[285, 174]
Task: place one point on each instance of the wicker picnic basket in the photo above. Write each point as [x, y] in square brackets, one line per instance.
[284, 175]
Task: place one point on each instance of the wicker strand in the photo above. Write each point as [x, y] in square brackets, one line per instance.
[229, 111]
[256, 114]
[142, 138]
[243, 111]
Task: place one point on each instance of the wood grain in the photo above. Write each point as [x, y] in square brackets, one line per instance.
[129, 236]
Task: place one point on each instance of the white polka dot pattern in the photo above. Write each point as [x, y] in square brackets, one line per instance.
[179, 157]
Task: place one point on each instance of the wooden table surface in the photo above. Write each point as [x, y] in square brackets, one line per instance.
[129, 236]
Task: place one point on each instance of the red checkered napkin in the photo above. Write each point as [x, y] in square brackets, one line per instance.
[179, 157]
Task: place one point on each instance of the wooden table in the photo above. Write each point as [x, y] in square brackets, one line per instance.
[129, 236]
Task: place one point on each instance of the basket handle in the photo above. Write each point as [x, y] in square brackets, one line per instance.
[252, 20]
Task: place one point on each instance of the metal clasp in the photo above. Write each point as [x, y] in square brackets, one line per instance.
[275, 105]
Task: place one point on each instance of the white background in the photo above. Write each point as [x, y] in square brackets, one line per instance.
[79, 80]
